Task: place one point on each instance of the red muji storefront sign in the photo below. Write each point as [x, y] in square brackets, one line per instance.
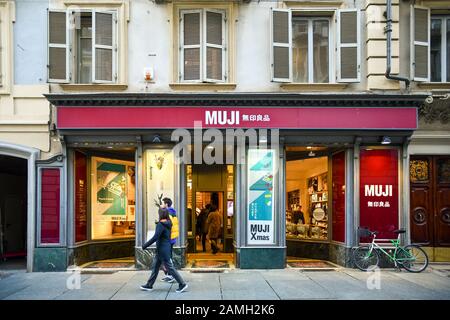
[379, 191]
[237, 117]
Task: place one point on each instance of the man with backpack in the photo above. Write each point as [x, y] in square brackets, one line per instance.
[167, 203]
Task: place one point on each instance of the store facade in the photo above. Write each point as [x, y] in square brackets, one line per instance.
[259, 157]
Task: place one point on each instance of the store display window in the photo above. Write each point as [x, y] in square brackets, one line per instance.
[160, 183]
[307, 211]
[113, 200]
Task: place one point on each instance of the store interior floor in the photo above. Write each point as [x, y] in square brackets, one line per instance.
[208, 260]
[13, 264]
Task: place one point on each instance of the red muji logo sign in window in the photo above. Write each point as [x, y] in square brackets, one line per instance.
[379, 191]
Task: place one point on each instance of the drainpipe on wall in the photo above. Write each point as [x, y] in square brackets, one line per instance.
[388, 32]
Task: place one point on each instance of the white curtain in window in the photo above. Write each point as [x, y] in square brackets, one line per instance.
[321, 64]
[300, 50]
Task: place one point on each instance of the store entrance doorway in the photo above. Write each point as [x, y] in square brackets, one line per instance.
[210, 187]
[13, 213]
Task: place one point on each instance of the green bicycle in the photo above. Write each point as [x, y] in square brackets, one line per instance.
[366, 257]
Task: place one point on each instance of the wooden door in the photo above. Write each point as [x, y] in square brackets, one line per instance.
[430, 200]
[442, 202]
[421, 197]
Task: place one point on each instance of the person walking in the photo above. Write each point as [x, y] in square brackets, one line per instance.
[162, 239]
[167, 204]
[201, 226]
[213, 223]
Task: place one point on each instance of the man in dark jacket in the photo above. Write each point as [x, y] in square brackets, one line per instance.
[163, 252]
[202, 227]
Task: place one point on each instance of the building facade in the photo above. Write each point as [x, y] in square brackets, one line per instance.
[348, 98]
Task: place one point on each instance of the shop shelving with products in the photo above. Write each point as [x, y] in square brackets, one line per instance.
[318, 206]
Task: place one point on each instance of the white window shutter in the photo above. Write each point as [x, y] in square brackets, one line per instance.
[420, 43]
[103, 46]
[214, 46]
[281, 45]
[349, 45]
[190, 68]
[58, 47]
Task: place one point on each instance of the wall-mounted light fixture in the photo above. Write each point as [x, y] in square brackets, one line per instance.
[386, 140]
[156, 138]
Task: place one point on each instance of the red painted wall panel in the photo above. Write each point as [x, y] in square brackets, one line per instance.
[80, 197]
[50, 206]
[379, 191]
[338, 189]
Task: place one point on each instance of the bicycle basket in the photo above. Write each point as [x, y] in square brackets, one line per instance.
[364, 232]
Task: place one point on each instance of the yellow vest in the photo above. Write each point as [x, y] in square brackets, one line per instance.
[175, 230]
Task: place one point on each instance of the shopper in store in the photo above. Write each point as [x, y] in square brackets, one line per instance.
[201, 225]
[213, 223]
[163, 253]
[298, 215]
[167, 204]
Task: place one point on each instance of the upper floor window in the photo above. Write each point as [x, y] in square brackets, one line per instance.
[303, 46]
[440, 49]
[430, 46]
[82, 46]
[311, 50]
[203, 47]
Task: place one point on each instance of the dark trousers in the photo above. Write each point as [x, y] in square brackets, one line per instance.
[203, 236]
[169, 267]
[214, 246]
[163, 266]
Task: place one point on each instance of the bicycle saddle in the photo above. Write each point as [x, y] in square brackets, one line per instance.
[400, 231]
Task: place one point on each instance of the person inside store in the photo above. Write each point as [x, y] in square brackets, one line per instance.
[213, 223]
[298, 215]
[201, 226]
[163, 256]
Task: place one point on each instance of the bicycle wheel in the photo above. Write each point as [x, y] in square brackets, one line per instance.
[364, 259]
[413, 258]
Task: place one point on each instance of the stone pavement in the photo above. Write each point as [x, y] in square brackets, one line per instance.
[348, 284]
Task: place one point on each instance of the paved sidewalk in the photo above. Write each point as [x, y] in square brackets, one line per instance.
[433, 284]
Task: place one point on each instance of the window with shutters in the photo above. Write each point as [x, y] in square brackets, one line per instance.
[440, 48]
[203, 50]
[420, 44]
[303, 46]
[82, 46]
